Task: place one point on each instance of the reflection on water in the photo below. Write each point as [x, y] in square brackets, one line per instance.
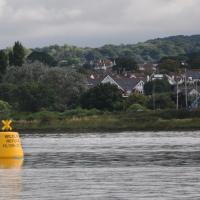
[10, 184]
[123, 166]
[10, 179]
[11, 163]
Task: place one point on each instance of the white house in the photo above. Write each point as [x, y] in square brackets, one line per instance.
[127, 85]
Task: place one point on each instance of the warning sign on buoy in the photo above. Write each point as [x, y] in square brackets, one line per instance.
[10, 143]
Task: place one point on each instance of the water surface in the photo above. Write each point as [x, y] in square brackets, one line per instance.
[121, 166]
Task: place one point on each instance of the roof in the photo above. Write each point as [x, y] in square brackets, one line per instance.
[125, 83]
[190, 88]
[105, 62]
[128, 84]
[148, 66]
[195, 74]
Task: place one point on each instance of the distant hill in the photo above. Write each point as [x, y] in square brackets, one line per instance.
[151, 50]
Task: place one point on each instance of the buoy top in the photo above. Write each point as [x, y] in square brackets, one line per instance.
[10, 143]
[6, 125]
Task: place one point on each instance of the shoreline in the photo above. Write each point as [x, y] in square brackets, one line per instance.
[108, 122]
[66, 130]
[39, 131]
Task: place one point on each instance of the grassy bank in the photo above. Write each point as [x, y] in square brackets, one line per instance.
[99, 121]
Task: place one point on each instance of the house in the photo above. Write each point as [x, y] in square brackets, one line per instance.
[157, 77]
[126, 84]
[103, 64]
[192, 90]
[172, 78]
[193, 76]
[147, 67]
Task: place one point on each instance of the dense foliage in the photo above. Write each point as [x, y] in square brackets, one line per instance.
[194, 60]
[17, 55]
[161, 101]
[151, 51]
[32, 86]
[54, 78]
[170, 64]
[125, 64]
[41, 57]
[103, 97]
[157, 86]
[3, 62]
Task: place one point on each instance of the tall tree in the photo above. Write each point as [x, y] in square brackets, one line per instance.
[194, 60]
[170, 64]
[17, 56]
[102, 96]
[3, 62]
[33, 96]
[125, 64]
[157, 86]
[162, 101]
[41, 57]
[10, 58]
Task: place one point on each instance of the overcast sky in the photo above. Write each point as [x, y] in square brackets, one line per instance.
[95, 22]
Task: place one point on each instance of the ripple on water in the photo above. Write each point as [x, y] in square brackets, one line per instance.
[131, 165]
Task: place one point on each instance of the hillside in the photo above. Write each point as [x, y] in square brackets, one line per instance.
[151, 50]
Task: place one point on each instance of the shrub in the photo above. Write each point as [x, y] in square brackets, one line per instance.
[102, 97]
[136, 99]
[5, 108]
[82, 112]
[136, 108]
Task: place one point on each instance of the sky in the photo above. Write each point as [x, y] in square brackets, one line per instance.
[38, 23]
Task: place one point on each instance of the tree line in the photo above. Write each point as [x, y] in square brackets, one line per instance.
[31, 81]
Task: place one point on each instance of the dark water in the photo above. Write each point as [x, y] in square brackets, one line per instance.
[123, 166]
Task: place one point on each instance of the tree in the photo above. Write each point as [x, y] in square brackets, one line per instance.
[3, 62]
[7, 93]
[136, 99]
[67, 84]
[157, 86]
[93, 54]
[136, 108]
[169, 65]
[5, 108]
[125, 64]
[10, 58]
[32, 97]
[194, 60]
[181, 100]
[17, 55]
[41, 57]
[33, 72]
[162, 101]
[102, 96]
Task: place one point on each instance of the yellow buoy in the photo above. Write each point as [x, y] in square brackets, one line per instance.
[9, 163]
[10, 143]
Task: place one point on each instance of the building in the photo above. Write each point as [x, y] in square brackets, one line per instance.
[103, 64]
[149, 68]
[126, 84]
[193, 76]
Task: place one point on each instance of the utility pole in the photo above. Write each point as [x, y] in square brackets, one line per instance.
[196, 93]
[186, 95]
[154, 102]
[177, 102]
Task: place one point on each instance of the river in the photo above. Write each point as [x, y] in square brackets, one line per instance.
[106, 166]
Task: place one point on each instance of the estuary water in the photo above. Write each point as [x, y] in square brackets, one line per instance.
[106, 166]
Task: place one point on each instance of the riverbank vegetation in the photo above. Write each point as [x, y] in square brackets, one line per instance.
[40, 95]
[81, 120]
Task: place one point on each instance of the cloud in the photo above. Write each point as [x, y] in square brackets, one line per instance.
[92, 22]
